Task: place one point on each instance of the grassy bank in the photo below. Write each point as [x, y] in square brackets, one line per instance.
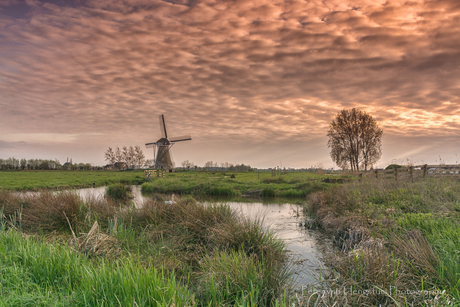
[397, 243]
[244, 183]
[35, 180]
[57, 250]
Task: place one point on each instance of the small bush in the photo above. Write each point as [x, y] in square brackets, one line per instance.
[119, 191]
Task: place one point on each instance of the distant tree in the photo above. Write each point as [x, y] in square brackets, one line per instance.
[118, 157]
[355, 140]
[57, 164]
[110, 157]
[187, 164]
[44, 164]
[208, 165]
[139, 156]
[125, 155]
[23, 163]
[149, 163]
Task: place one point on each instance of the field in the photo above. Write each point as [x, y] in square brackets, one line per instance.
[35, 180]
[397, 243]
[291, 184]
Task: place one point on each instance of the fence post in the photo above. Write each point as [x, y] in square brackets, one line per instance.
[425, 168]
[360, 176]
[412, 173]
[396, 173]
[377, 173]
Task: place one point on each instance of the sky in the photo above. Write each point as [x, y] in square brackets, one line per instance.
[253, 82]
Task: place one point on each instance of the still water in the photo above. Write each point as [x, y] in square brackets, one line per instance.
[283, 219]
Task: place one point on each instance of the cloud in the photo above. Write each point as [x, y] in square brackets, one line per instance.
[259, 69]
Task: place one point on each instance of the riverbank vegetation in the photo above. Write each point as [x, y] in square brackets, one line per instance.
[289, 184]
[57, 250]
[396, 243]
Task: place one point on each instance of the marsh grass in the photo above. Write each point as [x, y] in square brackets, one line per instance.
[58, 276]
[231, 277]
[394, 236]
[159, 255]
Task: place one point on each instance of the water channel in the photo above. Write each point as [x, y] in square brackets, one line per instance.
[282, 218]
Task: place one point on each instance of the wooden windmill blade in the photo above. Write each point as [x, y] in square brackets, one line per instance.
[163, 127]
[180, 138]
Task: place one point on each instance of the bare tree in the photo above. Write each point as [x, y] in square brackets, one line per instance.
[355, 140]
[208, 165]
[110, 157]
[131, 157]
[125, 156]
[187, 164]
[118, 157]
[139, 156]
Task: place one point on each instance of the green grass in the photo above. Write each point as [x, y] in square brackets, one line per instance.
[291, 184]
[159, 255]
[392, 235]
[444, 237]
[245, 183]
[35, 273]
[35, 180]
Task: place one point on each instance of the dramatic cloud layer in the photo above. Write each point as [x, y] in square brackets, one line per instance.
[252, 81]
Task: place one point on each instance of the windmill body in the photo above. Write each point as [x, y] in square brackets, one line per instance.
[162, 147]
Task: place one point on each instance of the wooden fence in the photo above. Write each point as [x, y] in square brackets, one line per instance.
[156, 173]
[413, 172]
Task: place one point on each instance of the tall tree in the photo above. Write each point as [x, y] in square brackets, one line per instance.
[118, 157]
[355, 140]
[109, 156]
[131, 157]
[139, 156]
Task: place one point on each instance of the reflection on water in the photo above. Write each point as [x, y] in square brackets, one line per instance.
[282, 217]
[284, 220]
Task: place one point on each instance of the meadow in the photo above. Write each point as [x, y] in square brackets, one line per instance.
[289, 184]
[60, 179]
[396, 243]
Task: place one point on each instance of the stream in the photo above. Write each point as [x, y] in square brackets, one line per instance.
[282, 218]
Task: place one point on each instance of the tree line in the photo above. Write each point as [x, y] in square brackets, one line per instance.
[41, 164]
[126, 157]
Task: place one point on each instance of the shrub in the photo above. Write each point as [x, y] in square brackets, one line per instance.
[119, 191]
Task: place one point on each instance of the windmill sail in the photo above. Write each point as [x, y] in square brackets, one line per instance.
[180, 138]
[163, 127]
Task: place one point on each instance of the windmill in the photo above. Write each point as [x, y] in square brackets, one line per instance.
[163, 146]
